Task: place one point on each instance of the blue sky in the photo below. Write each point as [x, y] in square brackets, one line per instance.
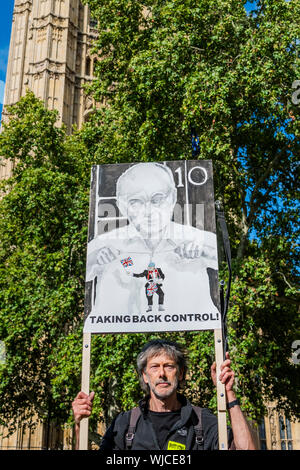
[5, 30]
[7, 7]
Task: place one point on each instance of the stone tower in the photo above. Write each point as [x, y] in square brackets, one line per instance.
[50, 55]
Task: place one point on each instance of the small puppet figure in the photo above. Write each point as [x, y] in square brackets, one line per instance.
[154, 277]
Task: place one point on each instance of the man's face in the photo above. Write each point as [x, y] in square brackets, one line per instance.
[162, 375]
[149, 201]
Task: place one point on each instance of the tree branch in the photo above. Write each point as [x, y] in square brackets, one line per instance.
[285, 279]
[197, 49]
[245, 224]
[286, 300]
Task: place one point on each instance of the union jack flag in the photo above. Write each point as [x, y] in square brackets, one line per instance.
[151, 289]
[127, 262]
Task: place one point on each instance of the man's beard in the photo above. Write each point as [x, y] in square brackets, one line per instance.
[164, 394]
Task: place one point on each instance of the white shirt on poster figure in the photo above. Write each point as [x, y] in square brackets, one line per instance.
[146, 195]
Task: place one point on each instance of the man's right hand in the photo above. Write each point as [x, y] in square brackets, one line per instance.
[82, 406]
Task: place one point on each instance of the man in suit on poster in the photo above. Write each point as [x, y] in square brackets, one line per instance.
[154, 277]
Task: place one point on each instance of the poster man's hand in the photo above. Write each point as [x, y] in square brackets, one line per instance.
[82, 406]
[192, 250]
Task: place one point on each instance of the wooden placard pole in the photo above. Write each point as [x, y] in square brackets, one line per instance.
[221, 393]
[85, 387]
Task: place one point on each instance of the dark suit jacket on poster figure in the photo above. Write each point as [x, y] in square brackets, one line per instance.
[154, 277]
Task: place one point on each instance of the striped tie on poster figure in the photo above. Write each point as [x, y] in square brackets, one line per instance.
[152, 215]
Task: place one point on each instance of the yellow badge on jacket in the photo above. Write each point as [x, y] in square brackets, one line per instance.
[175, 446]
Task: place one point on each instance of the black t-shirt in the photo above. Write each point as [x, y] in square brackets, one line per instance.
[163, 422]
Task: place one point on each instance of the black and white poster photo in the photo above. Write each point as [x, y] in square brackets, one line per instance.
[152, 250]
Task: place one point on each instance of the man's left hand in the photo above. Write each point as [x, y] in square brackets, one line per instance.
[226, 376]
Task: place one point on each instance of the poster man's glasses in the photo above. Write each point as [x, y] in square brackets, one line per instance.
[157, 200]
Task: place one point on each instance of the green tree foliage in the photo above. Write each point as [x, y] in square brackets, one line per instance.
[171, 66]
[165, 68]
[43, 208]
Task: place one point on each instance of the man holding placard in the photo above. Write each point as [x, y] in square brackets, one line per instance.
[155, 222]
[165, 420]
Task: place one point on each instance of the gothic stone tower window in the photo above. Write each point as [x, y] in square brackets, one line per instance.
[286, 441]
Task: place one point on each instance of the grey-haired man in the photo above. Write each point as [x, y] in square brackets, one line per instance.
[165, 419]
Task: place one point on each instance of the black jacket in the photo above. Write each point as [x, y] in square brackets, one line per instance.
[182, 432]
